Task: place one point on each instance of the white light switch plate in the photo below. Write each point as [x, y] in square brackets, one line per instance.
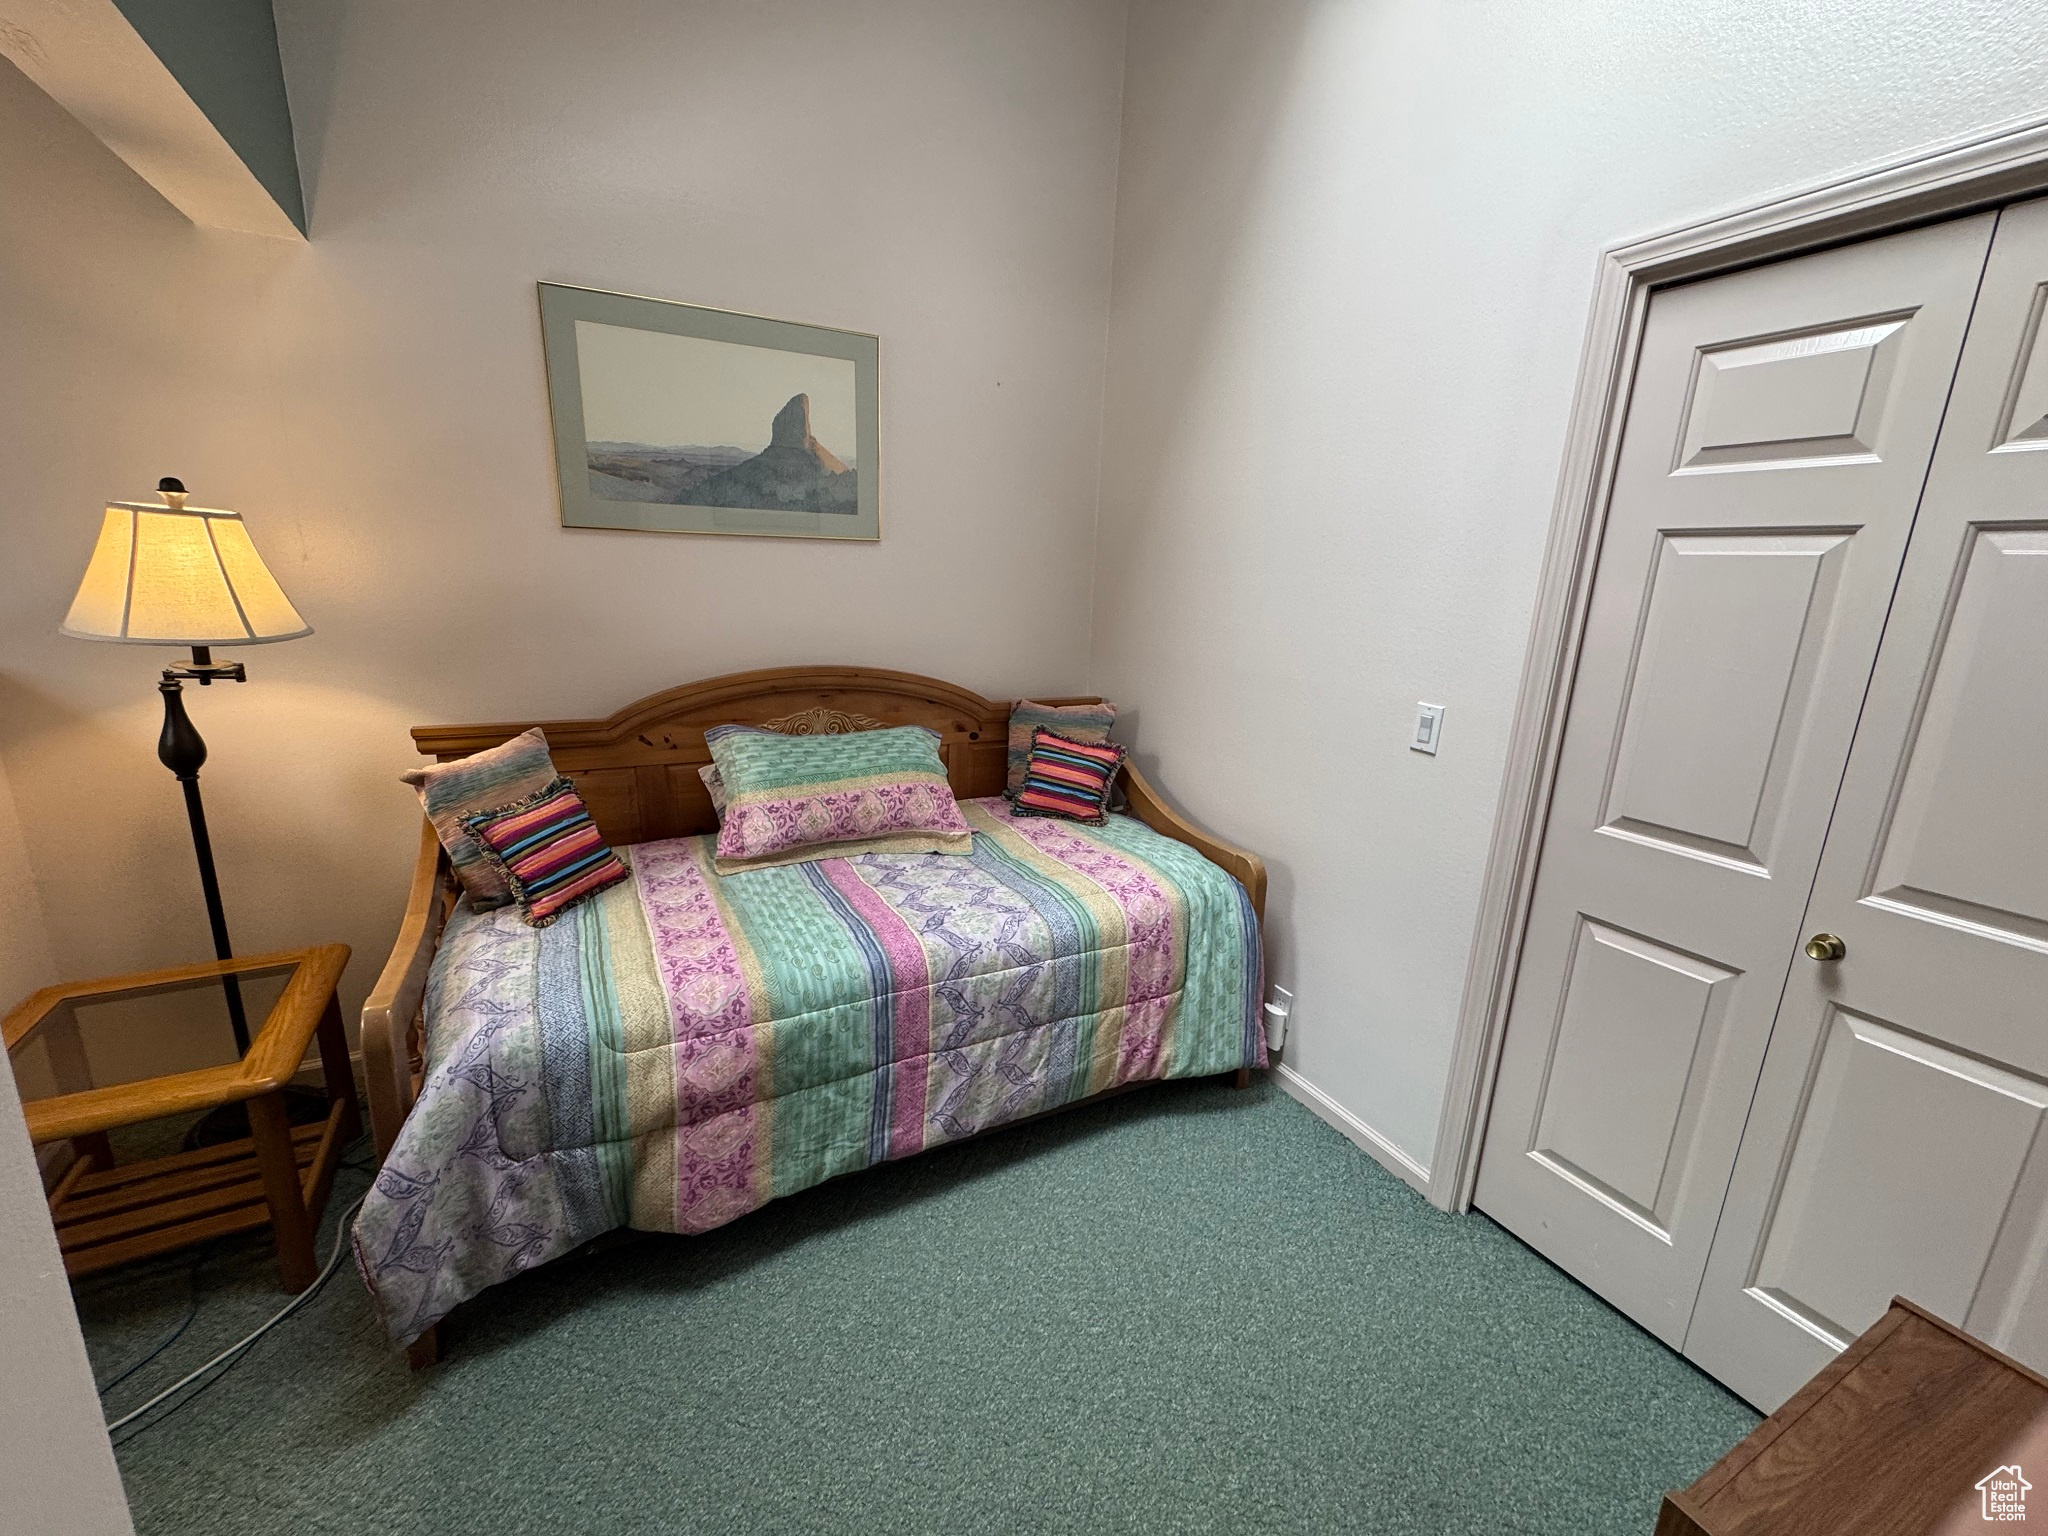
[1429, 728]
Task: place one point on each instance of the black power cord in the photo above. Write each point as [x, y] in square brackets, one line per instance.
[177, 1333]
[228, 1358]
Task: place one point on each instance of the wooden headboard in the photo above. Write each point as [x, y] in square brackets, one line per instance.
[637, 770]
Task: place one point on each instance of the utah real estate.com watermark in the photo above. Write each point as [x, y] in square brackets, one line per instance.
[2005, 1495]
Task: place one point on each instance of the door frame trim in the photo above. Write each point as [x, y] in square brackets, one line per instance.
[1949, 180]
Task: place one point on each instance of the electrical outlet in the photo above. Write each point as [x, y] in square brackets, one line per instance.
[1429, 728]
[1279, 1004]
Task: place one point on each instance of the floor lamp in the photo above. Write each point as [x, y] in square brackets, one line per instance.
[164, 573]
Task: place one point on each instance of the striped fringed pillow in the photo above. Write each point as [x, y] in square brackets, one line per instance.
[473, 786]
[551, 851]
[1076, 722]
[1067, 778]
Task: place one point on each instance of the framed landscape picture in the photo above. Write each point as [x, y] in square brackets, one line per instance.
[679, 419]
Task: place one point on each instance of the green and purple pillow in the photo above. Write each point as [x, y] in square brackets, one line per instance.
[790, 799]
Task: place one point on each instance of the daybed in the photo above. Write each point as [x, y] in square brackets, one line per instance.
[688, 1047]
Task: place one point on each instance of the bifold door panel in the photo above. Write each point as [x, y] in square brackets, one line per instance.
[2023, 424]
[1779, 431]
[1897, 1143]
[1732, 635]
[1633, 1155]
[1870, 1206]
[1813, 397]
[1973, 785]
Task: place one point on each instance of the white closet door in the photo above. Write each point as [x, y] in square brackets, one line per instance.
[1778, 435]
[1899, 1141]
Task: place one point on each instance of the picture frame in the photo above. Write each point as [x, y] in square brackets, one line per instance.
[678, 418]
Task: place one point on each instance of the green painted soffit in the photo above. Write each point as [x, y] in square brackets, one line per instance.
[224, 53]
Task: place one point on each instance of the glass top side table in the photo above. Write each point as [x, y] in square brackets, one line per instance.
[109, 1213]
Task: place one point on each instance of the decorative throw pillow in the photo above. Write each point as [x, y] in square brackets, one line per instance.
[794, 798]
[714, 786]
[1069, 778]
[550, 851]
[1076, 722]
[451, 791]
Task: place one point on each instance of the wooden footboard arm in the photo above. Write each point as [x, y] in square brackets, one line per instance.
[392, 1011]
[1149, 808]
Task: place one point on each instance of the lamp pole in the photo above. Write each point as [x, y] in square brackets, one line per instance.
[182, 750]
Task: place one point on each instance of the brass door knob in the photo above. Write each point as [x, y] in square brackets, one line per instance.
[1825, 946]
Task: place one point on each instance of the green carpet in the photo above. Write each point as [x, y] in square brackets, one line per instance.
[1188, 1309]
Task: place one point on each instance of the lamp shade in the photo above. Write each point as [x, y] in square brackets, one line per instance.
[169, 574]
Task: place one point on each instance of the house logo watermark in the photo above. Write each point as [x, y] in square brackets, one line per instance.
[2005, 1495]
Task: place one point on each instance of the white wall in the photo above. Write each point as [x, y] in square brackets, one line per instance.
[26, 961]
[938, 172]
[55, 1460]
[56, 1464]
[25, 958]
[1355, 246]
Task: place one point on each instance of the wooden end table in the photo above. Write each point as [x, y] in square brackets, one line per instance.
[107, 1213]
[1916, 1429]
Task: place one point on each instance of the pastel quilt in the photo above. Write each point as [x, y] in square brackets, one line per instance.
[684, 1047]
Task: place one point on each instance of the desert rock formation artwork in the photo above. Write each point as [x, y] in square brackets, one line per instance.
[794, 473]
[674, 418]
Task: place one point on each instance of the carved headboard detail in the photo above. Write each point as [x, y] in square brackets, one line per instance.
[637, 769]
[820, 721]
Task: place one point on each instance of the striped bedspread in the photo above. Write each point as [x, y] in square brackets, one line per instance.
[682, 1048]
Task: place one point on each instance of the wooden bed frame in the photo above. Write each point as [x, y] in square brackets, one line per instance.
[637, 772]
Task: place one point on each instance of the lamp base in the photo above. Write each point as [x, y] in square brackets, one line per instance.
[230, 1122]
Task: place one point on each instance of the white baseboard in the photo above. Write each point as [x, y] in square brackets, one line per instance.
[1368, 1140]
